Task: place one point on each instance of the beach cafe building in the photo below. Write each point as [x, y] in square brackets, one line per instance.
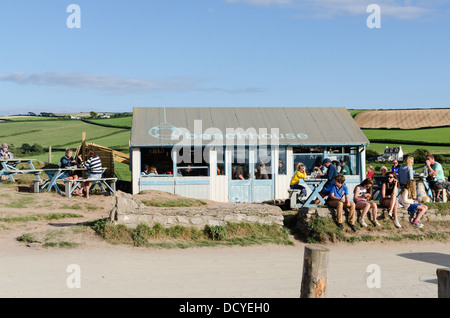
[239, 154]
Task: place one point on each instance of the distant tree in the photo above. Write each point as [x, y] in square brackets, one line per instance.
[25, 149]
[31, 114]
[93, 114]
[37, 148]
[419, 155]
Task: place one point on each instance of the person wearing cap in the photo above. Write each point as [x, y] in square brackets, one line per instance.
[330, 175]
[4, 152]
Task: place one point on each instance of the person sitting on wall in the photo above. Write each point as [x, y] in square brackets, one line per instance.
[339, 199]
[361, 196]
[410, 202]
[388, 200]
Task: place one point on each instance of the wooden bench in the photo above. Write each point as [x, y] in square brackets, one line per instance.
[293, 196]
[71, 185]
[37, 184]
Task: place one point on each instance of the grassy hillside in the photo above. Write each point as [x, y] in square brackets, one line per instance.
[68, 133]
[61, 133]
[431, 135]
[121, 121]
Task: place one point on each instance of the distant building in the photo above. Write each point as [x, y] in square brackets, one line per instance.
[75, 117]
[392, 153]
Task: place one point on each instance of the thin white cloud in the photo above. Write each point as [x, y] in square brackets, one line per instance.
[399, 9]
[114, 83]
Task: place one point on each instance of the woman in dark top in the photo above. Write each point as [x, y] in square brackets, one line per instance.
[389, 192]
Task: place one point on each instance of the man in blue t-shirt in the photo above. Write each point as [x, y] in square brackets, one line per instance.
[339, 198]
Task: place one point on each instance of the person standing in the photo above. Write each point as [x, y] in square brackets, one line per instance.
[330, 175]
[405, 172]
[370, 174]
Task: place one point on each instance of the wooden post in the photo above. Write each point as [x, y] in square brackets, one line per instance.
[49, 154]
[443, 275]
[83, 145]
[315, 264]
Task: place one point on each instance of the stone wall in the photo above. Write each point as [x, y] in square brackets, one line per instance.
[306, 214]
[130, 212]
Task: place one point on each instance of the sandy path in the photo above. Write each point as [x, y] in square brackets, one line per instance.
[407, 270]
[271, 271]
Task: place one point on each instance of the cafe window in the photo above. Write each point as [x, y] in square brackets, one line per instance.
[240, 163]
[348, 155]
[193, 161]
[220, 153]
[282, 161]
[263, 162]
[311, 157]
[160, 158]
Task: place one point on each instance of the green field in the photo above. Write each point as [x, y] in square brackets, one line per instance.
[431, 135]
[121, 121]
[31, 118]
[379, 148]
[68, 133]
[61, 134]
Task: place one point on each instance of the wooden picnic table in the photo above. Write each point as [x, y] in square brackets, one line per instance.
[316, 185]
[54, 175]
[70, 185]
[9, 168]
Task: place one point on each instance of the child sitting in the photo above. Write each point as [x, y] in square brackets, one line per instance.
[299, 174]
[408, 195]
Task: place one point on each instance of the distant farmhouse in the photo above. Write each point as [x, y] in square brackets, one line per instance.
[392, 153]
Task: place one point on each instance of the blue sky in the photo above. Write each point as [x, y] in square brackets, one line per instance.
[222, 53]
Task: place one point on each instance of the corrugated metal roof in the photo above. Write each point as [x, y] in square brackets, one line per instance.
[295, 126]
